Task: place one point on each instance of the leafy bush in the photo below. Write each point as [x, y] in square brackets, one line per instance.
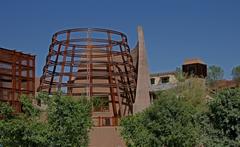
[68, 123]
[224, 118]
[214, 73]
[236, 73]
[5, 110]
[171, 121]
[184, 117]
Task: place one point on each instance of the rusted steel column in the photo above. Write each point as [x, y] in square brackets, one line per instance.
[28, 76]
[33, 69]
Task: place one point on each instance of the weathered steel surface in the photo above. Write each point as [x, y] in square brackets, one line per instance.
[17, 76]
[93, 63]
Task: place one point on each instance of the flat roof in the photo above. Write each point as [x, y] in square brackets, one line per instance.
[15, 51]
[193, 61]
[163, 73]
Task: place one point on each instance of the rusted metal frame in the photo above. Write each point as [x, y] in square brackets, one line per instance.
[71, 70]
[15, 99]
[48, 59]
[10, 62]
[89, 29]
[132, 68]
[5, 88]
[91, 73]
[99, 121]
[20, 76]
[33, 74]
[1, 90]
[15, 61]
[126, 103]
[64, 61]
[89, 50]
[113, 74]
[51, 50]
[133, 75]
[54, 69]
[119, 98]
[116, 79]
[110, 78]
[123, 79]
[13, 76]
[128, 80]
[129, 61]
[105, 85]
[87, 63]
[28, 77]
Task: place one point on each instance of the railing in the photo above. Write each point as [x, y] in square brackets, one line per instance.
[105, 121]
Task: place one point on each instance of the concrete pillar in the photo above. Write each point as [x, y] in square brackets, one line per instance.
[142, 100]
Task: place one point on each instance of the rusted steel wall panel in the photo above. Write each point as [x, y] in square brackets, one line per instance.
[17, 76]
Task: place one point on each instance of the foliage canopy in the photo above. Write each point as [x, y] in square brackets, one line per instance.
[214, 73]
[236, 73]
[66, 122]
[183, 116]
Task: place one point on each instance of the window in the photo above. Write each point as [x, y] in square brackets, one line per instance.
[152, 81]
[165, 79]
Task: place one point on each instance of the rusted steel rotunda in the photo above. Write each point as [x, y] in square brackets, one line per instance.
[93, 63]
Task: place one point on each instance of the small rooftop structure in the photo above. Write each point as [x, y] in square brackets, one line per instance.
[163, 73]
[195, 67]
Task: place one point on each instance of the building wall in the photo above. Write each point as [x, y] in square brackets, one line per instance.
[158, 81]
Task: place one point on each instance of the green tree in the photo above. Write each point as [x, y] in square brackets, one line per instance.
[168, 122]
[22, 129]
[214, 73]
[236, 73]
[172, 120]
[224, 118]
[68, 122]
[134, 131]
[5, 110]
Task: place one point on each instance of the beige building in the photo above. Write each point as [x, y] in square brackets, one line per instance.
[163, 78]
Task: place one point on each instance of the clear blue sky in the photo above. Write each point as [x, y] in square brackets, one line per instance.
[174, 29]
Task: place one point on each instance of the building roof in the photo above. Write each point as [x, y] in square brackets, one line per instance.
[221, 84]
[193, 61]
[10, 50]
[162, 73]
